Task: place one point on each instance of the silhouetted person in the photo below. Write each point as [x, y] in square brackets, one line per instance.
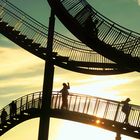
[3, 116]
[65, 94]
[126, 109]
[13, 108]
[90, 27]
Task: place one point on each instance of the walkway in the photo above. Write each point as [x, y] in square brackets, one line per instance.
[68, 53]
[86, 109]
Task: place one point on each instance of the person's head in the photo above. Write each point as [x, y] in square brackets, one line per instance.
[128, 100]
[64, 84]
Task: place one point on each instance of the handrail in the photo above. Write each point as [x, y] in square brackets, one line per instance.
[117, 25]
[74, 46]
[79, 57]
[78, 103]
[41, 25]
[109, 32]
[64, 46]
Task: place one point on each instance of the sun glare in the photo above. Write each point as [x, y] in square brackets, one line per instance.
[100, 86]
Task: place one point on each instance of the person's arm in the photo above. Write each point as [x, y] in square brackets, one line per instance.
[60, 91]
[122, 102]
[68, 85]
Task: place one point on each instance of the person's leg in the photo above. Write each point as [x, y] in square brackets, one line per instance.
[126, 117]
[63, 102]
[66, 102]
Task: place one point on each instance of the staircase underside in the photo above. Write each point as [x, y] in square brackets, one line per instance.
[68, 18]
[97, 68]
[72, 116]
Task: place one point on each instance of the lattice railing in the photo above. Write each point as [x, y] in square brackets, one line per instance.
[94, 106]
[109, 32]
[34, 30]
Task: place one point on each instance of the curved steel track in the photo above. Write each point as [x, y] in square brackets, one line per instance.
[68, 53]
[81, 108]
[115, 42]
[118, 50]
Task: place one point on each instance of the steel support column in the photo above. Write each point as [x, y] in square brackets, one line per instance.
[47, 85]
[118, 136]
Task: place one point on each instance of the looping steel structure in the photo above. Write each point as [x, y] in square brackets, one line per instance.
[86, 109]
[115, 42]
[68, 53]
[115, 50]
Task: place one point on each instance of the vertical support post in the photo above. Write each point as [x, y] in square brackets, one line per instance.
[118, 136]
[117, 112]
[47, 85]
[21, 108]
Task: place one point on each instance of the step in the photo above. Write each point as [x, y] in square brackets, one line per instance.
[16, 32]
[44, 50]
[28, 41]
[21, 37]
[137, 59]
[9, 28]
[35, 45]
[62, 58]
[3, 24]
[54, 54]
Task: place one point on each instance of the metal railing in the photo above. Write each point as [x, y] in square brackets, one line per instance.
[34, 30]
[94, 106]
[111, 33]
[90, 61]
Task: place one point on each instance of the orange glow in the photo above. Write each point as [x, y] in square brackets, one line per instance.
[98, 121]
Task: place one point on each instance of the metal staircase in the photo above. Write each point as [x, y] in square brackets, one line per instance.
[117, 52]
[86, 109]
[68, 53]
[114, 42]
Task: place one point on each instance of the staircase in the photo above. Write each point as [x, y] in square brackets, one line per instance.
[86, 109]
[114, 42]
[67, 53]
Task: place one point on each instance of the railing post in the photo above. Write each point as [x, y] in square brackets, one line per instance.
[39, 100]
[20, 105]
[117, 112]
[85, 105]
[47, 85]
[26, 102]
[79, 105]
[138, 120]
[32, 105]
[74, 104]
[118, 136]
[70, 98]
[55, 105]
[106, 109]
[89, 101]
[96, 106]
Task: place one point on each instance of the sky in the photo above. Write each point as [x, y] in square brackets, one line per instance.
[21, 73]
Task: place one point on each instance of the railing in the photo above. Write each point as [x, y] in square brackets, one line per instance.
[34, 30]
[94, 106]
[109, 32]
[26, 102]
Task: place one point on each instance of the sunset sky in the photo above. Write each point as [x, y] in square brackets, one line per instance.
[21, 73]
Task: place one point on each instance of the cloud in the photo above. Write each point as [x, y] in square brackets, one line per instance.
[20, 73]
[138, 2]
[16, 60]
